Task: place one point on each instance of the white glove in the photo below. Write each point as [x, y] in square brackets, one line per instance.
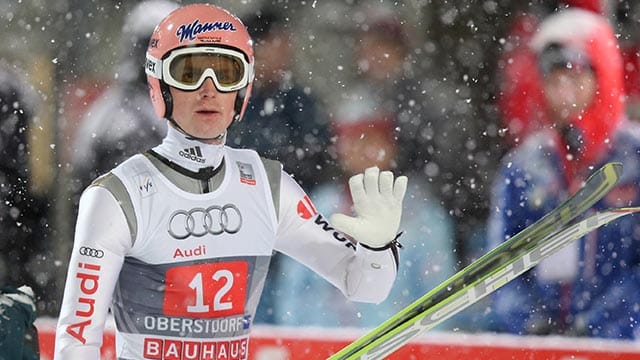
[377, 201]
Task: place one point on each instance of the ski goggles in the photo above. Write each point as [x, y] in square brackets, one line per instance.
[188, 68]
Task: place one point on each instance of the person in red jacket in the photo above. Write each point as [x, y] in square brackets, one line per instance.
[592, 287]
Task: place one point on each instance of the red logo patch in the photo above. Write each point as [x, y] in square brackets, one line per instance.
[306, 210]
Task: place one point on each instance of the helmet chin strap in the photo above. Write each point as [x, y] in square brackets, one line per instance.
[193, 137]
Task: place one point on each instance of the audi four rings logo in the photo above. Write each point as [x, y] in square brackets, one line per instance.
[87, 251]
[199, 222]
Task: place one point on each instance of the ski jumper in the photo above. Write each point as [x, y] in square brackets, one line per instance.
[182, 259]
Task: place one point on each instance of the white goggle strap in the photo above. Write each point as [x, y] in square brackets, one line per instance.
[249, 70]
[153, 67]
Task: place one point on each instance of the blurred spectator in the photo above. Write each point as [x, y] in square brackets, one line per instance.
[283, 120]
[431, 142]
[18, 334]
[520, 99]
[386, 80]
[592, 287]
[121, 122]
[24, 257]
[365, 137]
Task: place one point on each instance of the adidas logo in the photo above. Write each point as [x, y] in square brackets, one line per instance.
[193, 154]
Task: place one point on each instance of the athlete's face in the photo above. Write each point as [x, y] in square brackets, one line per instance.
[205, 112]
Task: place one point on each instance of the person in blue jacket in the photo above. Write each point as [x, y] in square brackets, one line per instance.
[592, 287]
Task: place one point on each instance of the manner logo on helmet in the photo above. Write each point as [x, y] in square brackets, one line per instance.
[191, 30]
[199, 222]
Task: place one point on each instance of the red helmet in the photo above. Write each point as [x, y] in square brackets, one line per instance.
[196, 42]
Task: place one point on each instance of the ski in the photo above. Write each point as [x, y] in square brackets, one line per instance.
[455, 303]
[469, 285]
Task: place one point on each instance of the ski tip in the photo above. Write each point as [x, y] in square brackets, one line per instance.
[615, 167]
[610, 173]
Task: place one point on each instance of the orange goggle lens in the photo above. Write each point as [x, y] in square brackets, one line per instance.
[187, 69]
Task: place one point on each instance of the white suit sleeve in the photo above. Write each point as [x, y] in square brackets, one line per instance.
[305, 235]
[102, 238]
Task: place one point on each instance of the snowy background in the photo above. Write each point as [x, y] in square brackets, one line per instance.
[69, 52]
